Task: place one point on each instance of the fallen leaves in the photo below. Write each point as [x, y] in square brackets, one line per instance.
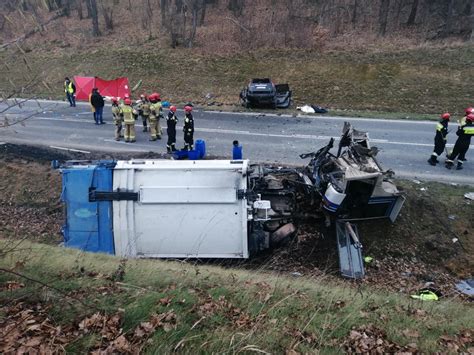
[28, 329]
[370, 339]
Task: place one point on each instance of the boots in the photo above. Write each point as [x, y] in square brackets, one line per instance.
[173, 148]
[432, 160]
[459, 166]
[168, 149]
[145, 129]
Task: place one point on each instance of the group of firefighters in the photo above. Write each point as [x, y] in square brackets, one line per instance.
[464, 132]
[150, 109]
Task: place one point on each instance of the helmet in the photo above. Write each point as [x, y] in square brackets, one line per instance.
[173, 108]
[469, 110]
[127, 101]
[446, 116]
[156, 95]
[152, 97]
[188, 108]
[165, 104]
[114, 100]
[470, 117]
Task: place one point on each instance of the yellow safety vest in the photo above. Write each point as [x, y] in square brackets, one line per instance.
[68, 87]
[468, 130]
[145, 107]
[127, 113]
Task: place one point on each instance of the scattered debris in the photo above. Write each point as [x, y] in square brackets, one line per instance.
[296, 274]
[466, 287]
[452, 217]
[469, 195]
[426, 295]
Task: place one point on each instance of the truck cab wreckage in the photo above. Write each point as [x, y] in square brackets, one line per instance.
[225, 208]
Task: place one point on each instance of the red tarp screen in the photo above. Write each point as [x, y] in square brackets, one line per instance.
[84, 84]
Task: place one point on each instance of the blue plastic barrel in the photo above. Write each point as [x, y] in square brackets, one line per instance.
[201, 148]
[194, 155]
[237, 152]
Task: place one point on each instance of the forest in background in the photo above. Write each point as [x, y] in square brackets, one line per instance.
[220, 26]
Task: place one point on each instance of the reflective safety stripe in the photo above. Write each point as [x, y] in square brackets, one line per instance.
[469, 130]
[439, 127]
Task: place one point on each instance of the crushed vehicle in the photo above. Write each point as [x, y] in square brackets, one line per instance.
[261, 92]
[225, 208]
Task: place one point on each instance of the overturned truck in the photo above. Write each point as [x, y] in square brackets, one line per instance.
[225, 208]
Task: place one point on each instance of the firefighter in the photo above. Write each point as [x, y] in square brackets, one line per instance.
[171, 121]
[188, 128]
[143, 106]
[440, 138]
[155, 114]
[461, 146]
[117, 118]
[468, 111]
[128, 114]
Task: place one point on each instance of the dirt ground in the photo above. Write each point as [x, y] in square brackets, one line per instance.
[430, 245]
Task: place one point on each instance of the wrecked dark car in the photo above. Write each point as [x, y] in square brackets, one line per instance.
[262, 92]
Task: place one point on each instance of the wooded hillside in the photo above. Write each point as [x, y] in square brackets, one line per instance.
[228, 25]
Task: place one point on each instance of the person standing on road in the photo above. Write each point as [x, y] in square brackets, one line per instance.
[144, 110]
[117, 118]
[97, 102]
[128, 114]
[70, 91]
[188, 128]
[171, 121]
[461, 146]
[155, 114]
[440, 138]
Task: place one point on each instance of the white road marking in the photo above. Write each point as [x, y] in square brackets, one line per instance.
[70, 149]
[257, 134]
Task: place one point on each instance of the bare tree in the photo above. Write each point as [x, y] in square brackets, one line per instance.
[107, 13]
[95, 17]
[383, 16]
[471, 20]
[354, 13]
[80, 14]
[413, 12]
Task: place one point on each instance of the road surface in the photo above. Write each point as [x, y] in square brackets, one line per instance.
[404, 146]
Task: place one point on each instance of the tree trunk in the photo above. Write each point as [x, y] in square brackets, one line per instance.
[472, 21]
[413, 12]
[95, 18]
[383, 17]
[79, 9]
[354, 13]
[163, 8]
[194, 23]
[449, 15]
[203, 13]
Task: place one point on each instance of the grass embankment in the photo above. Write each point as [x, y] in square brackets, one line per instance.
[404, 83]
[99, 302]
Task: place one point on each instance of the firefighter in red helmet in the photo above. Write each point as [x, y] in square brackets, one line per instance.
[171, 121]
[440, 138]
[188, 128]
[462, 144]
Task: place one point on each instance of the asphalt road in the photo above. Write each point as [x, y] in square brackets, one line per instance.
[404, 146]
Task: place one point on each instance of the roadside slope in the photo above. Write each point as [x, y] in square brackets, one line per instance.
[83, 302]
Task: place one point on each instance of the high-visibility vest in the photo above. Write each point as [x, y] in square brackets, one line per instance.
[68, 88]
[127, 113]
[145, 107]
[468, 130]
